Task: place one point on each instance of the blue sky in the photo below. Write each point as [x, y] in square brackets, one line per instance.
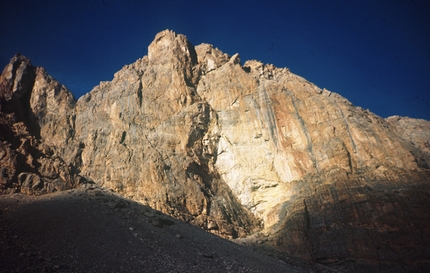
[374, 53]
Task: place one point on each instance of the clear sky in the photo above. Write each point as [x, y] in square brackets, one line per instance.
[375, 53]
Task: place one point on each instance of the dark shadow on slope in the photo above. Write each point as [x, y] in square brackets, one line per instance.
[94, 230]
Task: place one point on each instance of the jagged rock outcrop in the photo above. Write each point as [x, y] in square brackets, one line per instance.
[236, 148]
[35, 123]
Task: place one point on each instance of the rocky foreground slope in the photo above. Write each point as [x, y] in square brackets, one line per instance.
[91, 229]
[234, 148]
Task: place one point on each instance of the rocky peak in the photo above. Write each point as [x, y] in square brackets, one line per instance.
[151, 112]
[17, 77]
[35, 126]
[176, 51]
[168, 44]
[210, 58]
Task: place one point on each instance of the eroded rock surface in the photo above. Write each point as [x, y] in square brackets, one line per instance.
[238, 148]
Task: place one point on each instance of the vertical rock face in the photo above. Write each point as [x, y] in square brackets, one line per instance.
[235, 148]
[34, 128]
[275, 128]
[52, 105]
[145, 135]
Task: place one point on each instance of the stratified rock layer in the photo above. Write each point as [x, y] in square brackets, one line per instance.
[238, 148]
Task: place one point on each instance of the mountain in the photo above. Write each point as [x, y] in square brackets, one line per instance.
[243, 151]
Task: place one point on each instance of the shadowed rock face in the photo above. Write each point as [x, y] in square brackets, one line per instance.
[35, 123]
[235, 148]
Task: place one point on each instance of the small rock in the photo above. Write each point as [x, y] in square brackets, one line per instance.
[148, 214]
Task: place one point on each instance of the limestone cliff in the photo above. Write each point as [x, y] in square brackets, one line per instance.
[236, 148]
